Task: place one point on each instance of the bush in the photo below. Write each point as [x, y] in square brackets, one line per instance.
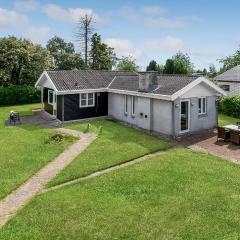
[19, 95]
[230, 105]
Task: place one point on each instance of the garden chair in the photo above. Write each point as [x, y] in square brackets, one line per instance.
[222, 133]
[235, 137]
[14, 117]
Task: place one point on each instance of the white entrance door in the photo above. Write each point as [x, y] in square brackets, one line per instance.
[184, 115]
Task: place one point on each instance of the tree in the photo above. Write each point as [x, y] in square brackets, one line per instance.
[21, 61]
[230, 61]
[169, 67]
[205, 72]
[179, 64]
[182, 64]
[64, 55]
[160, 68]
[212, 70]
[84, 33]
[101, 55]
[153, 66]
[127, 64]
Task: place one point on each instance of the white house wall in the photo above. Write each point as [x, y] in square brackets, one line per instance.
[201, 90]
[150, 114]
[162, 116]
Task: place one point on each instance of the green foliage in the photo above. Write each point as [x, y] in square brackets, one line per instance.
[230, 61]
[226, 120]
[179, 64]
[212, 70]
[21, 61]
[19, 95]
[230, 105]
[153, 66]
[101, 55]
[128, 64]
[64, 55]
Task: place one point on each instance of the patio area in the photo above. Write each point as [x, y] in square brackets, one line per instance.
[206, 141]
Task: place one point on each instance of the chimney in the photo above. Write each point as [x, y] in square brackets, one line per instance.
[147, 81]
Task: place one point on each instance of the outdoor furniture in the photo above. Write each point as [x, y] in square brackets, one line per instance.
[235, 137]
[14, 117]
[222, 133]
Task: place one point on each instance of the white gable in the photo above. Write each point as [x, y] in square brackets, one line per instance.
[45, 81]
[200, 90]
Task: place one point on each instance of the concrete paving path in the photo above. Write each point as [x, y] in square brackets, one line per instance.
[20, 197]
[107, 170]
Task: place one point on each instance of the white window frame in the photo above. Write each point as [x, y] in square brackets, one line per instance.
[87, 99]
[126, 104]
[50, 92]
[133, 106]
[202, 110]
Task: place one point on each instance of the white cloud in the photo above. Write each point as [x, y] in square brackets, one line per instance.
[37, 34]
[154, 10]
[163, 23]
[10, 18]
[30, 5]
[124, 47]
[169, 44]
[130, 13]
[70, 14]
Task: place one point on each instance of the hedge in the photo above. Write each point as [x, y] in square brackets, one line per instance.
[19, 95]
[230, 105]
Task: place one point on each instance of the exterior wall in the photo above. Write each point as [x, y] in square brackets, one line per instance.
[60, 107]
[162, 116]
[72, 110]
[197, 122]
[47, 107]
[234, 87]
[150, 114]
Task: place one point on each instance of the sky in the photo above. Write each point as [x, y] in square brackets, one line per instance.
[144, 29]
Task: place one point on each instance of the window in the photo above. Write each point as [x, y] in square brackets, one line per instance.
[133, 106]
[50, 97]
[125, 104]
[87, 100]
[225, 88]
[202, 105]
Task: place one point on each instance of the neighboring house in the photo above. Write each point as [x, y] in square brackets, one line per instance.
[229, 81]
[168, 104]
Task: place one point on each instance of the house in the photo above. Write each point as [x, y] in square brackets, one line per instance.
[229, 81]
[168, 104]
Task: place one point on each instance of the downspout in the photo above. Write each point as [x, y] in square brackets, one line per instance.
[173, 120]
[42, 98]
[62, 108]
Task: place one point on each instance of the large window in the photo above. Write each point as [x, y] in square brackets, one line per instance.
[125, 104]
[133, 106]
[202, 105]
[50, 97]
[87, 100]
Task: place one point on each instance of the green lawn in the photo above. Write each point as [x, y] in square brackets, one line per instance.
[116, 144]
[225, 120]
[23, 149]
[179, 195]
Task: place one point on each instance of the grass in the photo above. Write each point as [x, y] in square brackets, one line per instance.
[115, 144]
[226, 120]
[178, 195]
[24, 149]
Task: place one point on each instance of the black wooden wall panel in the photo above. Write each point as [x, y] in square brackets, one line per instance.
[72, 110]
[59, 107]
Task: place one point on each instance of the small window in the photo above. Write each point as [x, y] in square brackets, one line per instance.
[87, 100]
[225, 87]
[133, 106]
[125, 104]
[50, 97]
[202, 105]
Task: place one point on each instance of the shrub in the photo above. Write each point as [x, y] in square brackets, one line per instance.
[230, 105]
[19, 95]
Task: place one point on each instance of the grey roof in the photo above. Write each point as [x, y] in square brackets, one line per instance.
[167, 84]
[232, 75]
[68, 80]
